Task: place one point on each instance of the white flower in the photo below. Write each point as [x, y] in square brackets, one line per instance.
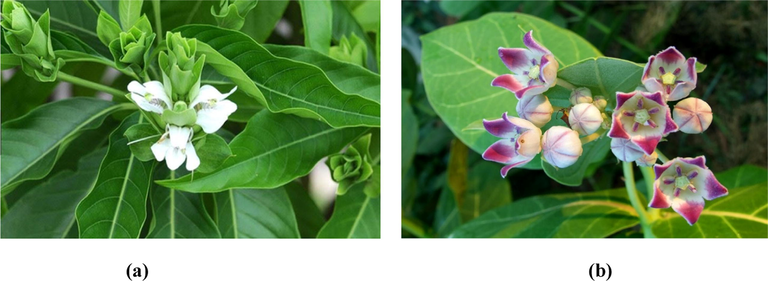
[213, 108]
[150, 97]
[175, 146]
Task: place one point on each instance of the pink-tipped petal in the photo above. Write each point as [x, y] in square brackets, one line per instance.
[655, 97]
[502, 151]
[517, 60]
[698, 161]
[505, 169]
[533, 45]
[659, 200]
[508, 81]
[713, 187]
[617, 129]
[503, 128]
[681, 90]
[671, 56]
[647, 69]
[690, 209]
[532, 90]
[660, 169]
[621, 98]
[646, 143]
[670, 125]
[653, 85]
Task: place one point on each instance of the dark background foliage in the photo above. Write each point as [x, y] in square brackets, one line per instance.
[730, 37]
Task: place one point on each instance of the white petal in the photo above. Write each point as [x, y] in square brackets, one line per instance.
[210, 120]
[136, 87]
[156, 88]
[192, 160]
[225, 107]
[179, 136]
[145, 105]
[206, 93]
[174, 158]
[160, 149]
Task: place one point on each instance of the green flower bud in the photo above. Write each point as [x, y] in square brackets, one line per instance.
[30, 40]
[352, 50]
[181, 68]
[232, 15]
[131, 48]
[352, 167]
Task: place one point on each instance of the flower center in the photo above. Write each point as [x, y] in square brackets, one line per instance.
[682, 182]
[534, 72]
[642, 115]
[149, 97]
[668, 78]
[179, 106]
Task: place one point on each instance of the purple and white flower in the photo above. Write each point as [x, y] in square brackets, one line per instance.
[683, 184]
[520, 142]
[643, 118]
[534, 70]
[670, 73]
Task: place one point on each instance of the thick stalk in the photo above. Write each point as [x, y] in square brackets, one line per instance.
[662, 157]
[93, 85]
[650, 176]
[158, 21]
[629, 181]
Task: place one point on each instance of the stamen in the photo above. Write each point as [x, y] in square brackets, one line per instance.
[635, 126]
[651, 123]
[533, 61]
[629, 114]
[676, 72]
[640, 103]
[679, 171]
[661, 69]
[669, 180]
[692, 188]
[692, 175]
[677, 192]
[653, 110]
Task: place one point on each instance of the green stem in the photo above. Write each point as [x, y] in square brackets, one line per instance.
[650, 176]
[629, 181]
[663, 158]
[93, 85]
[173, 207]
[562, 83]
[158, 21]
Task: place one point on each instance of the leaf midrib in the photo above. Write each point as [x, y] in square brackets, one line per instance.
[122, 194]
[359, 217]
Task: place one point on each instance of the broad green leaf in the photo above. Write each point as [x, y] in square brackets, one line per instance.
[447, 217]
[572, 215]
[32, 143]
[283, 85]
[344, 24]
[72, 49]
[212, 151]
[260, 22]
[349, 78]
[460, 61]
[458, 8]
[308, 216]
[116, 206]
[273, 150]
[48, 209]
[409, 130]
[76, 17]
[22, 94]
[743, 213]
[174, 14]
[593, 151]
[603, 76]
[178, 214]
[317, 17]
[254, 213]
[355, 215]
[368, 15]
[130, 11]
[485, 190]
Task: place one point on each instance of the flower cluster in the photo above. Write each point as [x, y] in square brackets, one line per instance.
[180, 105]
[30, 40]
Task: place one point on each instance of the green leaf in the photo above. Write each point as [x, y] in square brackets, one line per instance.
[308, 216]
[447, 217]
[72, 49]
[130, 11]
[260, 22]
[458, 8]
[283, 85]
[212, 151]
[409, 130]
[317, 17]
[368, 15]
[174, 14]
[742, 213]
[603, 76]
[460, 61]
[271, 142]
[253, 213]
[76, 17]
[344, 24]
[107, 28]
[178, 214]
[700, 67]
[594, 151]
[355, 215]
[48, 210]
[572, 215]
[141, 137]
[349, 78]
[116, 206]
[22, 94]
[485, 191]
[32, 143]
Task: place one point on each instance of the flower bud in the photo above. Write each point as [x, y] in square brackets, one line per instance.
[30, 40]
[352, 166]
[232, 15]
[692, 115]
[535, 108]
[585, 118]
[352, 50]
[626, 150]
[647, 160]
[131, 50]
[581, 95]
[600, 102]
[561, 146]
[181, 68]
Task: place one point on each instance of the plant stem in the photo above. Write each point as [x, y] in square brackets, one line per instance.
[93, 85]
[173, 207]
[650, 176]
[562, 83]
[663, 158]
[158, 22]
[629, 181]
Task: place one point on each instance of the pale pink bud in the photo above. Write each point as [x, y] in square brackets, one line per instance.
[585, 118]
[692, 115]
[561, 146]
[535, 108]
[581, 95]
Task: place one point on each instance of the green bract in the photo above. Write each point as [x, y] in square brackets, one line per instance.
[131, 48]
[353, 166]
[31, 41]
[181, 69]
[352, 50]
[233, 15]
